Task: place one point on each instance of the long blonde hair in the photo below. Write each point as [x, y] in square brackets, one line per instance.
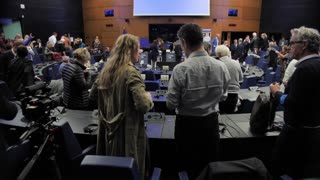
[120, 55]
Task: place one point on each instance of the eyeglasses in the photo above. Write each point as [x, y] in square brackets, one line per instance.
[295, 42]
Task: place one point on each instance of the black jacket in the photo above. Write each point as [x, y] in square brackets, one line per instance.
[76, 84]
[4, 63]
[20, 75]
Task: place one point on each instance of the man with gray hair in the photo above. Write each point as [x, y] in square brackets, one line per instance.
[297, 148]
[195, 89]
[236, 75]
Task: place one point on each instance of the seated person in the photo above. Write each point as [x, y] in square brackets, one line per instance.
[76, 81]
[21, 73]
[236, 75]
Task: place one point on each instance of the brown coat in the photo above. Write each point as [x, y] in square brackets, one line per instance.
[127, 96]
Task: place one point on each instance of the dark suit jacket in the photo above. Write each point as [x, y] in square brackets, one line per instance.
[4, 63]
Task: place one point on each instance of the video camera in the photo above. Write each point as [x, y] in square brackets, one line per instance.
[37, 102]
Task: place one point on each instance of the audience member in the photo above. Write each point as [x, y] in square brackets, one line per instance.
[20, 72]
[195, 89]
[76, 81]
[236, 75]
[154, 53]
[53, 38]
[207, 47]
[5, 59]
[254, 43]
[215, 43]
[49, 51]
[298, 146]
[122, 103]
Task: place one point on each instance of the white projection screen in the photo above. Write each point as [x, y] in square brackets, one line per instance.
[171, 8]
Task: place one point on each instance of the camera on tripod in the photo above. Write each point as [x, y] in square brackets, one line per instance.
[37, 102]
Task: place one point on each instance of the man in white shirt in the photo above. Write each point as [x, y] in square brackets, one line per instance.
[195, 89]
[53, 38]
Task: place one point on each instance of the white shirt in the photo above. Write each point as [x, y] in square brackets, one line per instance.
[197, 85]
[53, 39]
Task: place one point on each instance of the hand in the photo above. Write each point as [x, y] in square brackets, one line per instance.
[274, 87]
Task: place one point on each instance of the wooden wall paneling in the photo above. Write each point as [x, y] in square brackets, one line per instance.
[247, 20]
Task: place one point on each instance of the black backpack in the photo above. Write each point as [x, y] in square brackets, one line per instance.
[262, 114]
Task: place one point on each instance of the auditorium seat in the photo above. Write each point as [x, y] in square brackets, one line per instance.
[249, 60]
[152, 85]
[94, 167]
[249, 169]
[150, 76]
[262, 64]
[248, 81]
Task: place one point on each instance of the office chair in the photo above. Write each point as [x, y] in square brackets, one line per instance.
[152, 85]
[249, 169]
[150, 76]
[96, 167]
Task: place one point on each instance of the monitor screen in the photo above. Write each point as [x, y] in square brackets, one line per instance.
[167, 32]
[233, 12]
[109, 12]
[171, 8]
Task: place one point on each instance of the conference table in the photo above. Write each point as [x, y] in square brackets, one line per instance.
[236, 141]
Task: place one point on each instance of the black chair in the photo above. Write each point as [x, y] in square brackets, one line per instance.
[152, 85]
[150, 76]
[95, 167]
[229, 105]
[70, 153]
[248, 169]
[14, 159]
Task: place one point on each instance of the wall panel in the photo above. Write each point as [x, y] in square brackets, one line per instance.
[248, 18]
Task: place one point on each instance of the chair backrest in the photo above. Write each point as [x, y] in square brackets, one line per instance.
[249, 60]
[150, 76]
[262, 63]
[68, 142]
[270, 78]
[95, 167]
[278, 73]
[249, 81]
[249, 169]
[15, 159]
[152, 85]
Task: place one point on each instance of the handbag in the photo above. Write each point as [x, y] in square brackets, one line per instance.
[262, 114]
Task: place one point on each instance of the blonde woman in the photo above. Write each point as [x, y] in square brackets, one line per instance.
[76, 81]
[121, 91]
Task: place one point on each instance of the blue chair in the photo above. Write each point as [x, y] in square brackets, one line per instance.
[112, 168]
[249, 81]
[249, 60]
[262, 53]
[150, 76]
[262, 63]
[278, 73]
[152, 85]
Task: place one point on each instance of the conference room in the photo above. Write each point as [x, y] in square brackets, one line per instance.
[135, 114]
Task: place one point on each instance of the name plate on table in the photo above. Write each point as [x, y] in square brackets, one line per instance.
[154, 116]
[160, 92]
